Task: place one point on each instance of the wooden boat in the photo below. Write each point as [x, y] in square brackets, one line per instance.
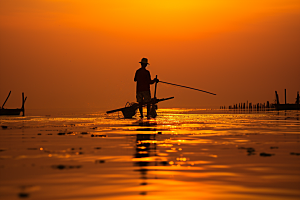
[287, 106]
[130, 108]
[17, 111]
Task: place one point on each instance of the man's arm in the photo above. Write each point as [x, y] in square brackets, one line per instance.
[135, 76]
[155, 80]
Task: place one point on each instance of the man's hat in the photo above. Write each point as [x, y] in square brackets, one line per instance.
[145, 61]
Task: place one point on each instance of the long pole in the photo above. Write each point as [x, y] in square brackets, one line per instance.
[6, 99]
[155, 89]
[187, 87]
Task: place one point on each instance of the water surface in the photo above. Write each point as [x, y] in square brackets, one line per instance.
[182, 154]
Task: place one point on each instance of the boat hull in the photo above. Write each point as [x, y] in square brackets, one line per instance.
[287, 106]
[10, 111]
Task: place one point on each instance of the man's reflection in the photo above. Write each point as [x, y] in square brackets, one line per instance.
[145, 147]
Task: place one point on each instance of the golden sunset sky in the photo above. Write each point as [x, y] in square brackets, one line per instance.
[74, 53]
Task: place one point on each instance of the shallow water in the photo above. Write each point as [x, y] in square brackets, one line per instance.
[182, 154]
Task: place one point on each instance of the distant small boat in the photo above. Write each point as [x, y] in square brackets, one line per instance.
[287, 106]
[17, 111]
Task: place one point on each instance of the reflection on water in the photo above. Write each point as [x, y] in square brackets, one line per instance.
[183, 154]
[145, 147]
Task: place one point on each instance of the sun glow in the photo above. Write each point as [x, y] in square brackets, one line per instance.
[176, 18]
[205, 44]
[165, 19]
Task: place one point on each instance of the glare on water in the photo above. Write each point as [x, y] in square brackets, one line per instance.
[182, 154]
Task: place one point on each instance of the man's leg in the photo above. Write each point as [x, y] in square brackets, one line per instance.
[139, 98]
[148, 110]
[147, 99]
[141, 109]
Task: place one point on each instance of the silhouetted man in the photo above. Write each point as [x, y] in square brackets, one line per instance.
[143, 79]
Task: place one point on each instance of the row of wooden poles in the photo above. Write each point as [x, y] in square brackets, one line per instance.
[249, 106]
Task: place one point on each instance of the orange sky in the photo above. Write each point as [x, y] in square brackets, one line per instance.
[72, 53]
